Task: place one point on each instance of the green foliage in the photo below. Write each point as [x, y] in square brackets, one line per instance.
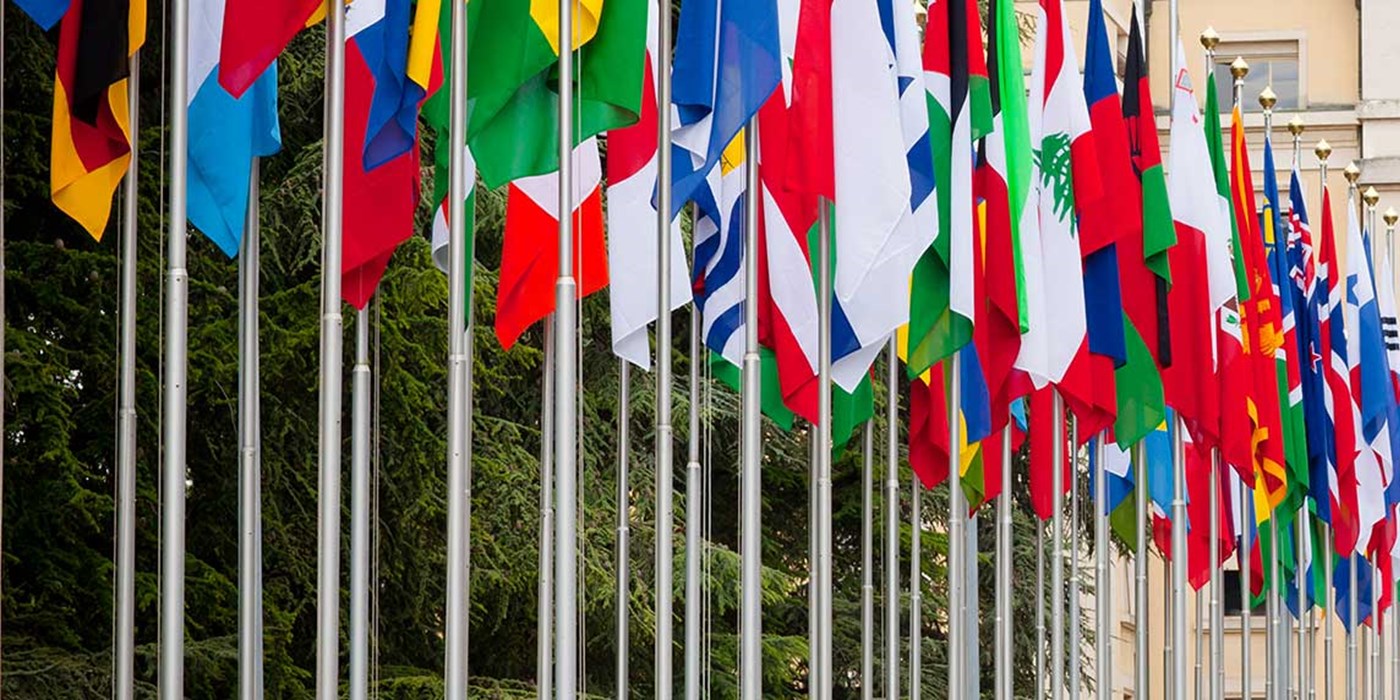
[61, 371]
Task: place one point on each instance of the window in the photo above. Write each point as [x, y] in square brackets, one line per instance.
[1271, 63]
[1231, 578]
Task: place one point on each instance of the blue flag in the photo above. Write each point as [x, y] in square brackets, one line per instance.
[1309, 300]
[45, 13]
[225, 133]
[1341, 581]
[727, 63]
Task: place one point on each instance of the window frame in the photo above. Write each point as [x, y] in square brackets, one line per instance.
[1264, 45]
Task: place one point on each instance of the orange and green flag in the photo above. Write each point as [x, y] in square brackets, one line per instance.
[513, 81]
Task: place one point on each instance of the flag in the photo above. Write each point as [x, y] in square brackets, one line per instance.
[1262, 332]
[1295, 433]
[91, 140]
[726, 65]
[1346, 444]
[946, 277]
[1121, 507]
[632, 221]
[1003, 182]
[437, 112]
[379, 202]
[225, 134]
[1308, 302]
[513, 50]
[1144, 260]
[255, 33]
[1199, 483]
[1204, 278]
[530, 254]
[1365, 354]
[717, 270]
[1341, 581]
[45, 13]
[1059, 125]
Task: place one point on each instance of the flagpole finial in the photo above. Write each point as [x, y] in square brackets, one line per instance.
[1371, 197]
[1391, 216]
[1267, 99]
[1240, 68]
[1210, 39]
[1296, 126]
[1323, 150]
[1352, 173]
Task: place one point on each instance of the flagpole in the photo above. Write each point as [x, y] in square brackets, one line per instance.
[359, 511]
[916, 586]
[1305, 681]
[566, 405]
[1238, 70]
[544, 610]
[1277, 640]
[1323, 151]
[125, 661]
[867, 574]
[1005, 641]
[1103, 587]
[1057, 559]
[459, 368]
[1217, 634]
[823, 456]
[694, 546]
[1178, 467]
[1391, 217]
[665, 434]
[1141, 675]
[751, 481]
[1377, 678]
[957, 539]
[250, 623]
[1040, 680]
[172, 574]
[623, 624]
[892, 521]
[1074, 631]
[1352, 175]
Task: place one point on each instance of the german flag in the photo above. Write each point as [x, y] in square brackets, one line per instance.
[91, 143]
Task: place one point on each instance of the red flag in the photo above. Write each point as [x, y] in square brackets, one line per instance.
[813, 136]
[1044, 432]
[928, 428]
[255, 33]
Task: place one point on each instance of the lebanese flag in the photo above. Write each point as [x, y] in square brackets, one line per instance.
[632, 217]
[530, 253]
[256, 32]
[379, 203]
[1203, 277]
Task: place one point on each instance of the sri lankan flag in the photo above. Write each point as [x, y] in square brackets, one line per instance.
[1262, 335]
[91, 143]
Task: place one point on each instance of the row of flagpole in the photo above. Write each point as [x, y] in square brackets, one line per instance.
[560, 442]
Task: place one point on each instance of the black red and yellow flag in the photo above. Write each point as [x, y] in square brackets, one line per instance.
[91, 143]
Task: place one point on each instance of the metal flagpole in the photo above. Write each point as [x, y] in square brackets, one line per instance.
[1198, 635]
[1391, 217]
[1217, 633]
[693, 515]
[1141, 675]
[172, 570]
[751, 503]
[359, 511]
[126, 416]
[892, 521]
[565, 405]
[459, 367]
[1103, 587]
[624, 529]
[1168, 650]
[1005, 640]
[1352, 174]
[1277, 641]
[1323, 151]
[823, 456]
[665, 434]
[813, 578]
[1305, 685]
[867, 566]
[916, 587]
[1074, 614]
[957, 539]
[1057, 559]
[1378, 642]
[1178, 631]
[1238, 70]
[1040, 680]
[250, 640]
[544, 610]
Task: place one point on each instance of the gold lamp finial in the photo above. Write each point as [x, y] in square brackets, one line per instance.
[1391, 216]
[1371, 197]
[1295, 125]
[1210, 39]
[1240, 68]
[1352, 173]
[1267, 98]
[1323, 150]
